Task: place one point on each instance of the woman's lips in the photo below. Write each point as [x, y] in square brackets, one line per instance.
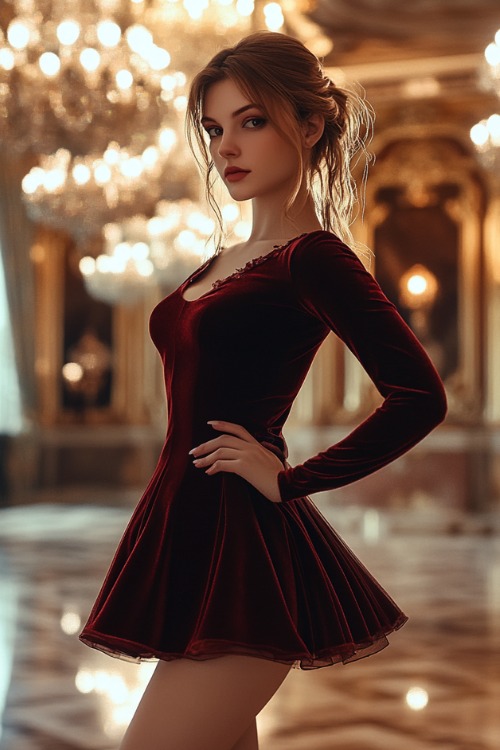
[236, 176]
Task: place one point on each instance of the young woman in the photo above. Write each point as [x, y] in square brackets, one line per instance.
[227, 572]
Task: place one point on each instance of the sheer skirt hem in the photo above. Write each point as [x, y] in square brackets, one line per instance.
[212, 648]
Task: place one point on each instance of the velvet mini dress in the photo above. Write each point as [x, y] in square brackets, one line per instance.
[208, 565]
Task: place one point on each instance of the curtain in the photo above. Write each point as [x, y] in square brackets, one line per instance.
[11, 421]
[16, 233]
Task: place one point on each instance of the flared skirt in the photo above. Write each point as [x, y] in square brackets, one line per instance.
[226, 571]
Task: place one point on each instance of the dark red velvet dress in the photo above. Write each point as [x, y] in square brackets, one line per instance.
[207, 564]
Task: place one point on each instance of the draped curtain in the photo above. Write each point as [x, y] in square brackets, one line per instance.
[16, 233]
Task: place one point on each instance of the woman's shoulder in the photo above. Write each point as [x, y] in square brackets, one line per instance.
[321, 246]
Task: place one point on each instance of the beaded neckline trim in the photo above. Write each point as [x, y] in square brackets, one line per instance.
[238, 271]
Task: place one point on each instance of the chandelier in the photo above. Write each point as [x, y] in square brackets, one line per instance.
[162, 251]
[83, 193]
[77, 74]
[97, 88]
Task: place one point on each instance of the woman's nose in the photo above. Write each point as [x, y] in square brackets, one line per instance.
[228, 146]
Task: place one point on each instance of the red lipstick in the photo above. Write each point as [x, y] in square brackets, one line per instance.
[233, 174]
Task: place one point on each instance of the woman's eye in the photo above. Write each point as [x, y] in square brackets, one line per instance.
[214, 127]
[259, 120]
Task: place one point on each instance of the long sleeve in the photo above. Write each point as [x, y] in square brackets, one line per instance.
[333, 285]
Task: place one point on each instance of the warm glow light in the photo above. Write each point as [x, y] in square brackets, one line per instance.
[416, 284]
[274, 16]
[145, 268]
[68, 31]
[30, 183]
[139, 251]
[417, 698]
[195, 8]
[72, 372]
[102, 173]
[186, 239]
[112, 155]
[123, 252]
[493, 125]
[103, 264]
[49, 64]
[71, 621]
[6, 58]
[486, 133]
[201, 223]
[54, 179]
[87, 266]
[90, 59]
[418, 287]
[150, 156]
[108, 33]
[18, 34]
[479, 134]
[167, 139]
[246, 7]
[158, 58]
[84, 681]
[156, 226]
[168, 83]
[132, 167]
[81, 174]
[139, 38]
[180, 103]
[492, 54]
[230, 212]
[242, 229]
[124, 79]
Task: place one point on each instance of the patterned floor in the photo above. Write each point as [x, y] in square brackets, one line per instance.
[436, 686]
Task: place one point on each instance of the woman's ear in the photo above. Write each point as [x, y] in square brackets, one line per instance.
[312, 130]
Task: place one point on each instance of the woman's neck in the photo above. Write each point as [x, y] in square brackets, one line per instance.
[270, 225]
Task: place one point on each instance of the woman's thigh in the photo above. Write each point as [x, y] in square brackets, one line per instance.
[202, 705]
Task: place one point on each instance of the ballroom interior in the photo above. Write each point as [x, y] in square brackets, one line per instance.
[102, 214]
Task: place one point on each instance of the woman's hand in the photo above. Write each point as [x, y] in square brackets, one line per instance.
[240, 453]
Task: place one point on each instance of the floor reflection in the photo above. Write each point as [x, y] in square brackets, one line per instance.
[436, 685]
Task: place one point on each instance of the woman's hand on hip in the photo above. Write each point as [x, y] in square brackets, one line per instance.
[238, 452]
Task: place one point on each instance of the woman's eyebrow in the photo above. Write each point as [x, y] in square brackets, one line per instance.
[206, 118]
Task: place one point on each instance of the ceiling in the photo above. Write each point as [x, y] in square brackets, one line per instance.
[374, 31]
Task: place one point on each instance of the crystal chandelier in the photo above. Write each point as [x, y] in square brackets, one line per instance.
[97, 87]
[162, 251]
[90, 181]
[81, 194]
[79, 75]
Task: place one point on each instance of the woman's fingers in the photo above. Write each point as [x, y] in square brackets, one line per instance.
[238, 452]
[220, 453]
[236, 432]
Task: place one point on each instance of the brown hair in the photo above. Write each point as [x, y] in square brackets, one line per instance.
[287, 82]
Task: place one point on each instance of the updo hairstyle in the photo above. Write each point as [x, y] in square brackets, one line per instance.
[279, 74]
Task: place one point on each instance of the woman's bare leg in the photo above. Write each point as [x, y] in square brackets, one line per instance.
[203, 705]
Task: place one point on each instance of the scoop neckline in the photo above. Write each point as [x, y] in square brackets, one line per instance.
[237, 272]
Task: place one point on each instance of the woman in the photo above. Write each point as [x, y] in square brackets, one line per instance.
[227, 572]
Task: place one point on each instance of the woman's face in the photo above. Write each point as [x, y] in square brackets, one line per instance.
[241, 136]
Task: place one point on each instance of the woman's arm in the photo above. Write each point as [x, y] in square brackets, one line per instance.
[333, 285]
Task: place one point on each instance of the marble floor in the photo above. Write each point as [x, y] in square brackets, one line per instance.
[436, 686]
